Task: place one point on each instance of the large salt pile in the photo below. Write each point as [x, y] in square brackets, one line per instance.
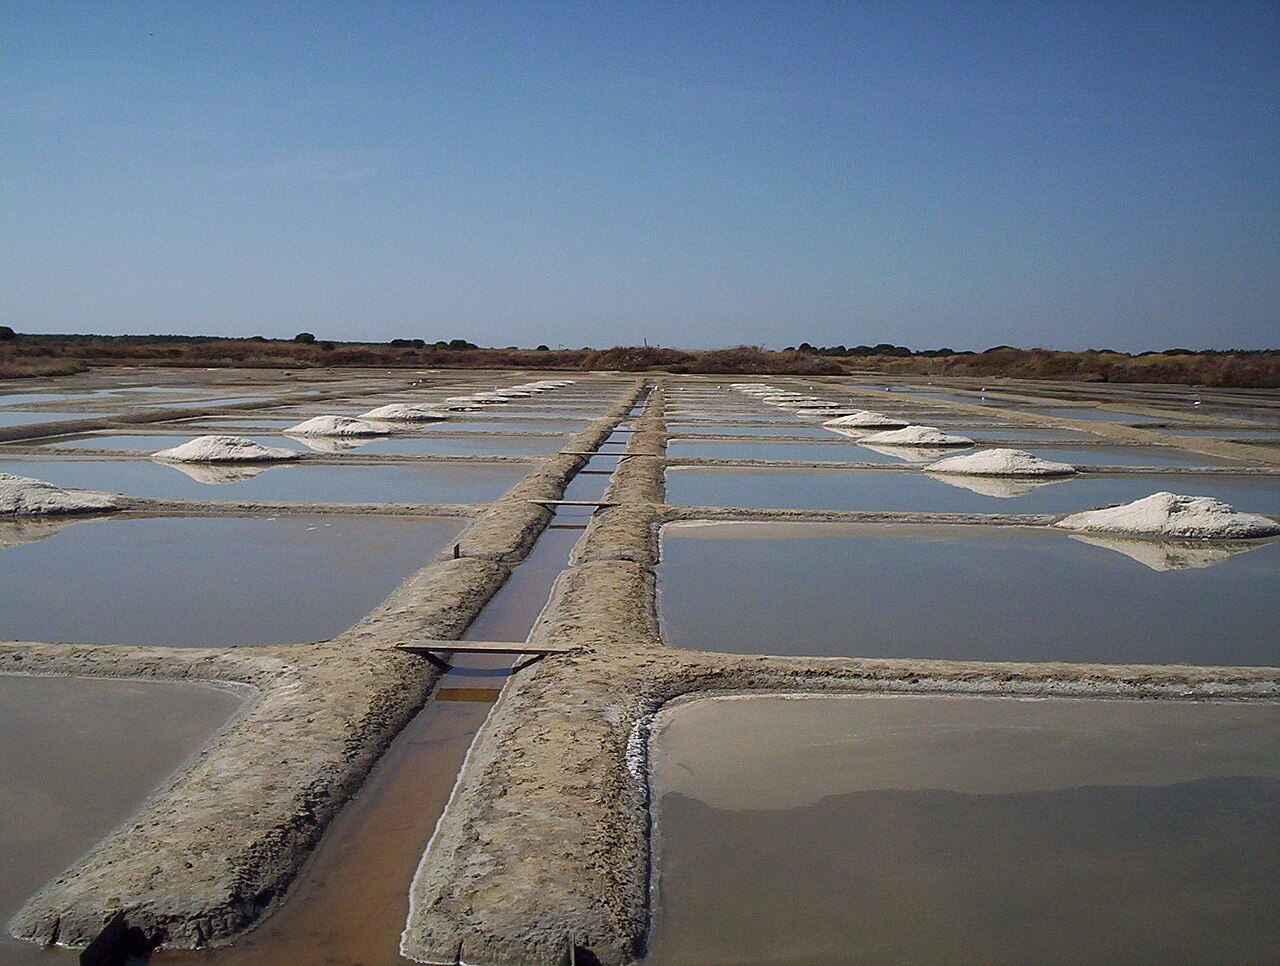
[1171, 515]
[224, 449]
[917, 436]
[402, 412]
[1000, 462]
[23, 496]
[336, 426]
[864, 418]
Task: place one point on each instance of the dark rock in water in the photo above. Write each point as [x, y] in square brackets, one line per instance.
[117, 942]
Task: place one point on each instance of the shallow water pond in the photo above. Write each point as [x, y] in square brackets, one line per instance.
[211, 581]
[206, 403]
[78, 756]
[15, 417]
[154, 442]
[249, 422]
[909, 491]
[790, 427]
[1129, 456]
[1017, 431]
[967, 593]
[906, 830]
[460, 445]
[809, 452]
[392, 483]
[1106, 415]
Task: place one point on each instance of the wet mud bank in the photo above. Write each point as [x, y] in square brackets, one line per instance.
[543, 854]
[211, 853]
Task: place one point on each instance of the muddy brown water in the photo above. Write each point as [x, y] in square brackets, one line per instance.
[350, 902]
[77, 757]
[967, 593]
[210, 581]
[905, 830]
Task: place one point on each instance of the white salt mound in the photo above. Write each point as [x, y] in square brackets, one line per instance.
[23, 496]
[865, 417]
[336, 426]
[1000, 462]
[917, 436]
[405, 413]
[224, 449]
[1170, 515]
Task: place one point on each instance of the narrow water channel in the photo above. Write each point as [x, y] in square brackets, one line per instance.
[350, 901]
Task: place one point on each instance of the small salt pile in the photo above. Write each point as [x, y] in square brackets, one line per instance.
[864, 418]
[336, 426]
[224, 449]
[400, 412]
[1000, 462]
[917, 436]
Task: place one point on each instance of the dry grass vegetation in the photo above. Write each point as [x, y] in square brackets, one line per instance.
[51, 355]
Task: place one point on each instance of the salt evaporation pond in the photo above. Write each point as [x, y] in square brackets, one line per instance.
[13, 417]
[880, 491]
[1018, 431]
[792, 427]
[902, 830]
[315, 483]
[966, 593]
[153, 442]
[78, 756]
[210, 581]
[1106, 415]
[249, 422]
[809, 452]
[455, 444]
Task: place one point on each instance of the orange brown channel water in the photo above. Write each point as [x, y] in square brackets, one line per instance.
[350, 901]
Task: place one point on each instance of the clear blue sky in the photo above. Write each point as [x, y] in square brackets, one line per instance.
[1061, 174]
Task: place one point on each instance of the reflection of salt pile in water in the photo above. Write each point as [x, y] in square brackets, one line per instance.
[224, 449]
[908, 454]
[1000, 487]
[401, 412]
[917, 436]
[24, 496]
[1001, 462]
[333, 444]
[1165, 555]
[1170, 515]
[336, 426]
[864, 419]
[16, 531]
[215, 474]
